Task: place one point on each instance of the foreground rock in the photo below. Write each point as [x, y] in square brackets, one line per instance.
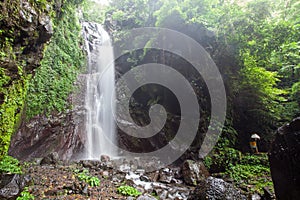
[284, 159]
[12, 185]
[146, 197]
[216, 189]
[194, 172]
[72, 180]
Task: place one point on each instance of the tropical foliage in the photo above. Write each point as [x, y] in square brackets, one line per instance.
[262, 35]
[63, 60]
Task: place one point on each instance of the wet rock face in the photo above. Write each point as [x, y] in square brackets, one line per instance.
[216, 189]
[25, 28]
[12, 185]
[30, 29]
[61, 133]
[284, 159]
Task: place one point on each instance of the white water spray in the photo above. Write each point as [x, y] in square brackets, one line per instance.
[100, 126]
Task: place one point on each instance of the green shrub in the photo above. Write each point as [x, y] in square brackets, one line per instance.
[250, 159]
[250, 171]
[245, 172]
[207, 162]
[10, 165]
[221, 157]
[128, 191]
[25, 195]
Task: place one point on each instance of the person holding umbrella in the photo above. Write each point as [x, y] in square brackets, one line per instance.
[253, 143]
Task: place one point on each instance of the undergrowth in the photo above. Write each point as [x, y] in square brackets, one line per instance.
[87, 178]
[127, 190]
[247, 170]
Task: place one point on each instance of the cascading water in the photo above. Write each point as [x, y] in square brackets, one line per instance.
[100, 126]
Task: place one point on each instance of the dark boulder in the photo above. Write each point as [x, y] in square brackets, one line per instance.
[11, 185]
[50, 159]
[194, 172]
[284, 159]
[216, 189]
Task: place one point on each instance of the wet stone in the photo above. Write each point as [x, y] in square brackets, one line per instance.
[12, 184]
[146, 197]
[105, 158]
[194, 172]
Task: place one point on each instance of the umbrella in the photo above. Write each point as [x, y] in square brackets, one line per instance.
[255, 136]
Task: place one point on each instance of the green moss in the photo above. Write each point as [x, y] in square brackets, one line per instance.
[11, 108]
[62, 62]
[49, 90]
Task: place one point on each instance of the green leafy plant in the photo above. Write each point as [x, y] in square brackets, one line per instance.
[10, 165]
[128, 191]
[25, 195]
[86, 177]
[207, 161]
[93, 181]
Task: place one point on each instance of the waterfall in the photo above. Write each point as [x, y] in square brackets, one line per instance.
[100, 126]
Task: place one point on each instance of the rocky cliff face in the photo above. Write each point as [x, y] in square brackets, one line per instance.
[284, 159]
[25, 28]
[62, 133]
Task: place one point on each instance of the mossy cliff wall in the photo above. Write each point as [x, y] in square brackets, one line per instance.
[25, 28]
[40, 58]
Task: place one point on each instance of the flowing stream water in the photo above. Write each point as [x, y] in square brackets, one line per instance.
[100, 125]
